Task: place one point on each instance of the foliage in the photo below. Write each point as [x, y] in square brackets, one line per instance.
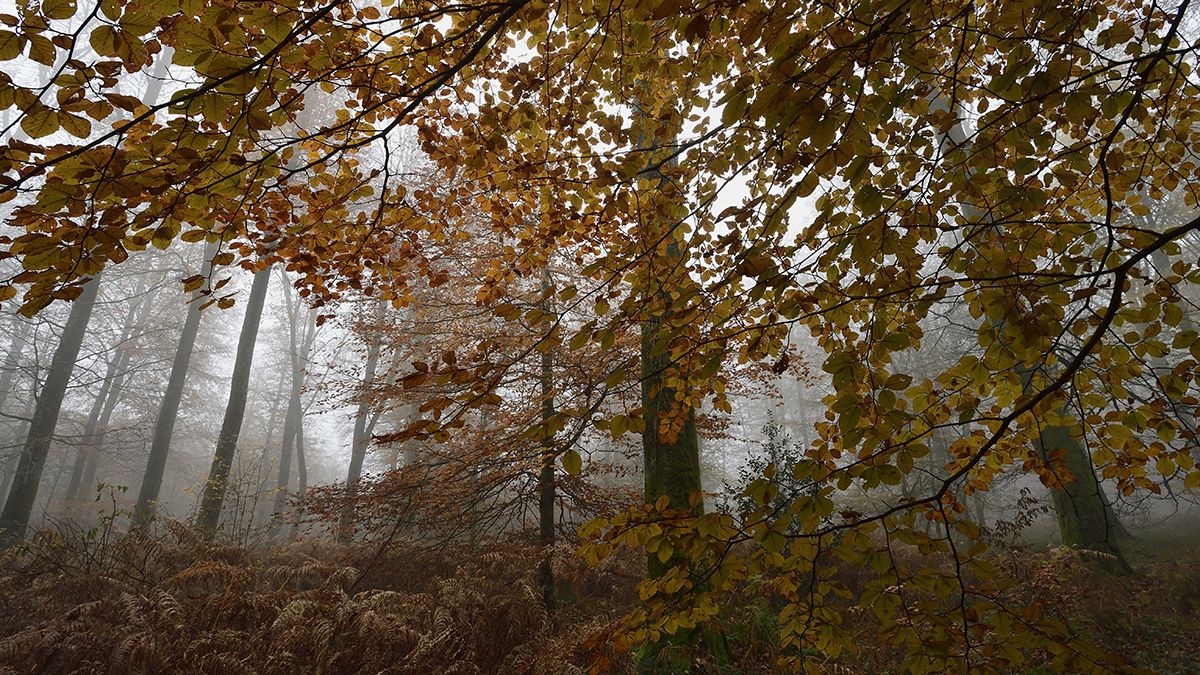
[894, 157]
[177, 604]
[782, 455]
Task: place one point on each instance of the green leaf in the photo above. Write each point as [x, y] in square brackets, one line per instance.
[75, 125]
[735, 108]
[58, 9]
[41, 121]
[572, 463]
[10, 45]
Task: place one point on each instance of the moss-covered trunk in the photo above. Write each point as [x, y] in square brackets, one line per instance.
[1085, 516]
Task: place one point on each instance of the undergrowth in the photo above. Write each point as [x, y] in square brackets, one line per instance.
[174, 604]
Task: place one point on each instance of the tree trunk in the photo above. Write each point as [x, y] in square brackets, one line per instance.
[546, 476]
[670, 444]
[168, 410]
[1085, 517]
[20, 336]
[260, 513]
[293, 424]
[14, 519]
[284, 476]
[358, 447]
[302, 479]
[218, 477]
[81, 483]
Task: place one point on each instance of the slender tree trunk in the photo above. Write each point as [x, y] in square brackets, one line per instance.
[19, 506]
[358, 447]
[96, 441]
[20, 336]
[294, 422]
[284, 476]
[549, 454]
[115, 368]
[264, 474]
[302, 479]
[214, 489]
[546, 491]
[168, 410]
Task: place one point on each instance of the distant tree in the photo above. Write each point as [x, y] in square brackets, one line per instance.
[168, 412]
[209, 514]
[23, 492]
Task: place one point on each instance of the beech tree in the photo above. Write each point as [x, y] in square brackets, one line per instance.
[168, 412]
[1077, 117]
[23, 491]
[209, 514]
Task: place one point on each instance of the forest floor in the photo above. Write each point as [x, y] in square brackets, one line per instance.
[174, 605]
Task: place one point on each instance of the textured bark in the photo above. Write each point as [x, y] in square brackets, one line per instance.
[18, 507]
[670, 444]
[671, 452]
[1085, 516]
[218, 477]
[168, 410]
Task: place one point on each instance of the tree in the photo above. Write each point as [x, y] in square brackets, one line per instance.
[83, 471]
[168, 412]
[820, 113]
[19, 505]
[214, 488]
[300, 340]
[361, 439]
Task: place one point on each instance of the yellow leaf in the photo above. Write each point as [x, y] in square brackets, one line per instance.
[10, 45]
[42, 50]
[104, 40]
[58, 9]
[39, 122]
[76, 125]
[572, 462]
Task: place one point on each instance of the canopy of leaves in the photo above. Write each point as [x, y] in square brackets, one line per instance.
[850, 167]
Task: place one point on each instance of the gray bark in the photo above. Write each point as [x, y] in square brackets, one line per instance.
[358, 447]
[209, 514]
[168, 410]
[18, 507]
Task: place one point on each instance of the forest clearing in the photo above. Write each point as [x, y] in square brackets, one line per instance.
[522, 336]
